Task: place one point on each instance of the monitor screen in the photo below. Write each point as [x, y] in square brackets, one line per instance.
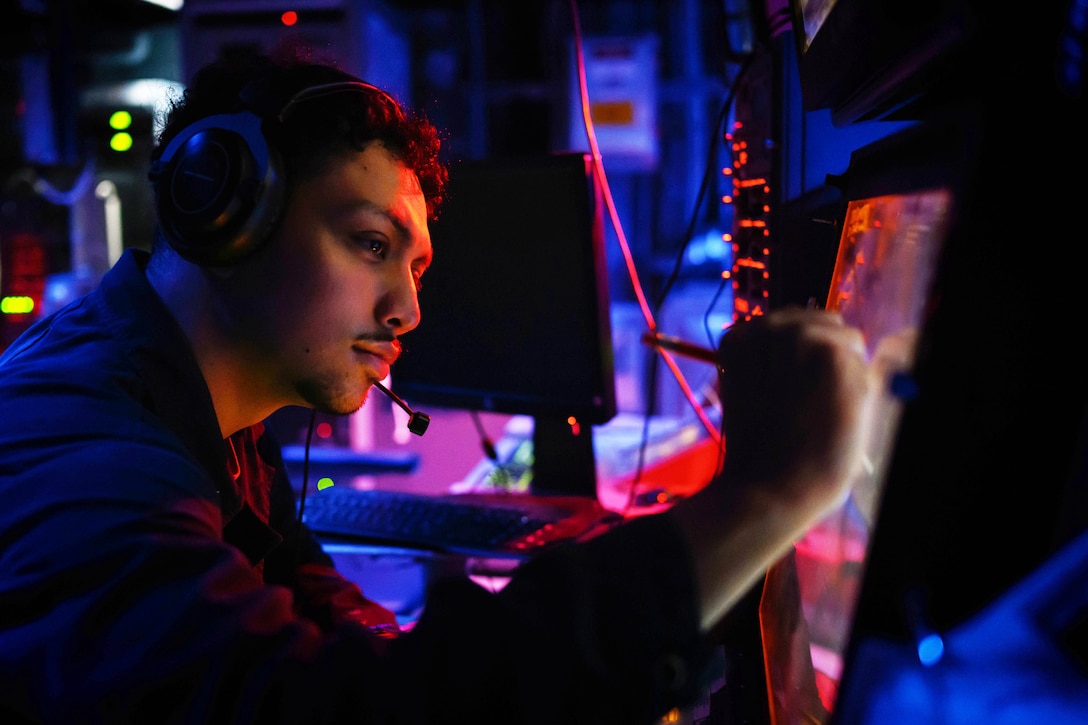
[886, 262]
[515, 309]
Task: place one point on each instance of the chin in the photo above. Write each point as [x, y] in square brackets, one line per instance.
[336, 402]
[347, 406]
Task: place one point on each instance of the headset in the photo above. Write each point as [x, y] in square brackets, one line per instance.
[219, 184]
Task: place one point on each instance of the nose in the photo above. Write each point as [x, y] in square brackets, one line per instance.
[400, 307]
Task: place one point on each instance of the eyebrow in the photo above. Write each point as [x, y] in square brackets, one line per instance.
[369, 206]
[397, 223]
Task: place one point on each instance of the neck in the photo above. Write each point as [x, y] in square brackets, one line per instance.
[233, 380]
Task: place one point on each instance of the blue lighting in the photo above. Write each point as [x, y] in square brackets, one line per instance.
[903, 386]
[930, 649]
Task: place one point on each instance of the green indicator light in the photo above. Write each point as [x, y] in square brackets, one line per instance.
[324, 483]
[120, 120]
[19, 305]
[121, 141]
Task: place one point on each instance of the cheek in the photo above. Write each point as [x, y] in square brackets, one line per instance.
[326, 314]
[290, 316]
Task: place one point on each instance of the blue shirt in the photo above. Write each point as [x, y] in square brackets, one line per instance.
[149, 569]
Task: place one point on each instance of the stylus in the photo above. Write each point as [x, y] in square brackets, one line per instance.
[680, 347]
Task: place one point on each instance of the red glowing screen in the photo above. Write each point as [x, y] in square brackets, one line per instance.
[885, 267]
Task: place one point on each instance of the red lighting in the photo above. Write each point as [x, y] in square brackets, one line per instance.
[323, 430]
[289, 18]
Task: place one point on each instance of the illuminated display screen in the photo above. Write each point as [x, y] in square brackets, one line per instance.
[887, 255]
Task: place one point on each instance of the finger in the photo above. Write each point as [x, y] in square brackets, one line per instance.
[838, 333]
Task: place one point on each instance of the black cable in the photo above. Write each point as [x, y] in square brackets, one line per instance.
[305, 478]
[485, 442]
[708, 173]
[710, 309]
[651, 387]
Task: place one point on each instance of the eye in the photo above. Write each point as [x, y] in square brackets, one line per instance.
[377, 246]
[369, 242]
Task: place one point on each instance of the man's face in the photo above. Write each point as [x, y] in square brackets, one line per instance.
[322, 304]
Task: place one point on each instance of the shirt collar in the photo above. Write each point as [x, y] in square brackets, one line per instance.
[158, 348]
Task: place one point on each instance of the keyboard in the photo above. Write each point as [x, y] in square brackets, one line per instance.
[506, 525]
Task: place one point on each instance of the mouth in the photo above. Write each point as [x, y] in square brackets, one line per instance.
[380, 356]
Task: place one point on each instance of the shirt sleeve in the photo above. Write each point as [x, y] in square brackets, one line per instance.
[322, 594]
[606, 631]
[123, 604]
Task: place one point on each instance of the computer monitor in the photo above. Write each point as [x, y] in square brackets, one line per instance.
[986, 478]
[979, 447]
[893, 229]
[515, 310]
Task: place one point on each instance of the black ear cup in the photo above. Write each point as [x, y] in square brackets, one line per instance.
[218, 189]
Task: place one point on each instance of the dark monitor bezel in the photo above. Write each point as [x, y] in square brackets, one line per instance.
[516, 311]
[986, 452]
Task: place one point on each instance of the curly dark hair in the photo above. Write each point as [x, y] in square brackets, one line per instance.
[308, 133]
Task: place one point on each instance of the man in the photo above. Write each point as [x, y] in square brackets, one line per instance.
[151, 569]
